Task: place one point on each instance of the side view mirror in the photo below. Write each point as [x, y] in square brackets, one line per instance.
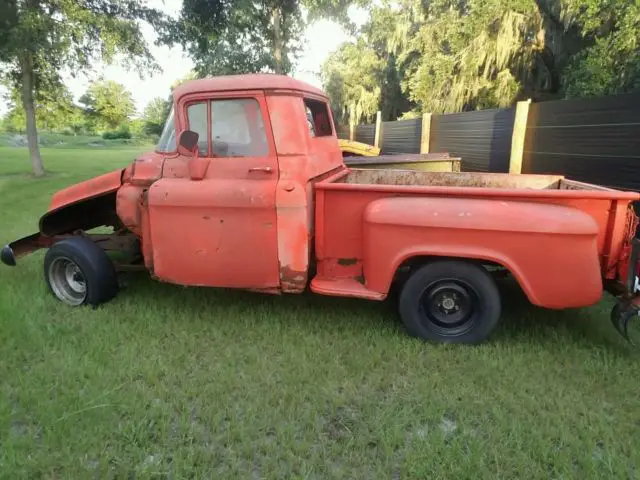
[188, 143]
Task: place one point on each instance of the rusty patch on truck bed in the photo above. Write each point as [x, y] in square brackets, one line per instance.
[451, 179]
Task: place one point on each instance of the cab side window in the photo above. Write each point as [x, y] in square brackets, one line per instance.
[237, 128]
[318, 119]
[197, 115]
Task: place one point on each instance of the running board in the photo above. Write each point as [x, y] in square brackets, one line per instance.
[344, 287]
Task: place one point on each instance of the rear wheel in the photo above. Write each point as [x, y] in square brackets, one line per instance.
[450, 302]
[79, 272]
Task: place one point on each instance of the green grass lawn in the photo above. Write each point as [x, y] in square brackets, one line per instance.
[57, 140]
[168, 382]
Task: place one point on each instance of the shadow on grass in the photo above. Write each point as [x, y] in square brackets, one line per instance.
[585, 327]
[354, 315]
[521, 323]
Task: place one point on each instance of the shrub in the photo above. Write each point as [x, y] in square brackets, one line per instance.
[121, 132]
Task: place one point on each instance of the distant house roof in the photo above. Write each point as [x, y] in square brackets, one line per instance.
[251, 81]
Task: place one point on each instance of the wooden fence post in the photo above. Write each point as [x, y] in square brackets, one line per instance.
[377, 141]
[517, 138]
[426, 133]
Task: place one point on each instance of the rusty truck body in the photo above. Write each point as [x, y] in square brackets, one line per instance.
[244, 191]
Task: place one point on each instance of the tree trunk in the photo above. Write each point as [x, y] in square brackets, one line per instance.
[30, 114]
[277, 41]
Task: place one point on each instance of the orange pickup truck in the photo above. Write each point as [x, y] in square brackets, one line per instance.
[244, 191]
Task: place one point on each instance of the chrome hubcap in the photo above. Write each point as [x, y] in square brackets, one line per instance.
[67, 281]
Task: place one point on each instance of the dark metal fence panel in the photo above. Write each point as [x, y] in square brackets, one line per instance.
[482, 138]
[343, 131]
[366, 134]
[591, 140]
[402, 136]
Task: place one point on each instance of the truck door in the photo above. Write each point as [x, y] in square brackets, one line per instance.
[221, 231]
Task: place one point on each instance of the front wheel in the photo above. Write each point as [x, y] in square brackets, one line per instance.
[450, 302]
[79, 272]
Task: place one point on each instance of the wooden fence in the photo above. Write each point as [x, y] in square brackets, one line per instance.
[592, 140]
[481, 138]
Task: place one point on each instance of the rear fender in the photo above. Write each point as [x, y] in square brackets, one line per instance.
[551, 250]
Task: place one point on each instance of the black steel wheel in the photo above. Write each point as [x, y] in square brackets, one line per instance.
[79, 272]
[450, 301]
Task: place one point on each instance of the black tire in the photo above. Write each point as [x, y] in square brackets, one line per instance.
[450, 302]
[79, 272]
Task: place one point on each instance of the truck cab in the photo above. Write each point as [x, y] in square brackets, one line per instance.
[247, 189]
[243, 195]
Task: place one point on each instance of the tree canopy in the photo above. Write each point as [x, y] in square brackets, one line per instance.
[109, 103]
[106, 105]
[155, 114]
[454, 55]
[54, 109]
[40, 38]
[241, 36]
[249, 36]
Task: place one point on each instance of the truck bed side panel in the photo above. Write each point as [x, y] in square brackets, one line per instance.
[343, 216]
[550, 249]
[341, 246]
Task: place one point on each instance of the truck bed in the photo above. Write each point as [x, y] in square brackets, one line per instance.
[465, 179]
[346, 202]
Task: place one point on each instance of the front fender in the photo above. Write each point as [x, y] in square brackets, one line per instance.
[83, 206]
[94, 187]
[550, 249]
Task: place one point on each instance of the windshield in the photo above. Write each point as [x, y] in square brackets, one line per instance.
[167, 142]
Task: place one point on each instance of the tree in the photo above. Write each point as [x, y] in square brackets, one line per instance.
[453, 55]
[364, 76]
[242, 36]
[154, 115]
[610, 62]
[248, 36]
[39, 37]
[461, 55]
[54, 109]
[352, 77]
[108, 103]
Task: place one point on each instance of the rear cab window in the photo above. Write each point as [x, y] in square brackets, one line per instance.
[318, 119]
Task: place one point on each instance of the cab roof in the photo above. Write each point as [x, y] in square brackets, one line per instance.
[250, 81]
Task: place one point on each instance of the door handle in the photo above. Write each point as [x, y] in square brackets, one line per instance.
[261, 169]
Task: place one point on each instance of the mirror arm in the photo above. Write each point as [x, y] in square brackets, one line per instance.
[198, 167]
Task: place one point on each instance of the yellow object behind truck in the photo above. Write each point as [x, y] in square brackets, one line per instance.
[361, 155]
